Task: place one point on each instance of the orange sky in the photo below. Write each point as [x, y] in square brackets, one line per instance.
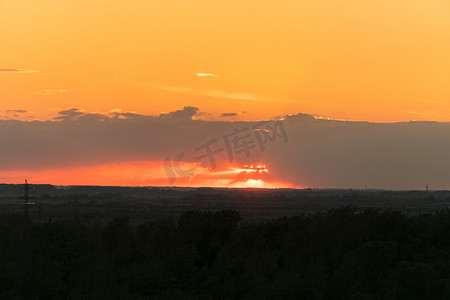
[373, 60]
[370, 60]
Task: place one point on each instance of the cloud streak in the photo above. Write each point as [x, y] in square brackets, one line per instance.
[17, 71]
[225, 115]
[211, 93]
[14, 113]
[50, 92]
[205, 75]
[231, 115]
[70, 114]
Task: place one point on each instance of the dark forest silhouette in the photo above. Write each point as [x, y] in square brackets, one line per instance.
[346, 253]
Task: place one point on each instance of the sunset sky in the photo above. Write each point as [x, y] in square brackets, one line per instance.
[360, 60]
[376, 60]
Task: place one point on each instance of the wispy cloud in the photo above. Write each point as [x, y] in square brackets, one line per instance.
[229, 95]
[188, 112]
[16, 111]
[206, 75]
[50, 92]
[14, 114]
[12, 71]
[70, 114]
[119, 113]
[234, 114]
[229, 115]
[211, 93]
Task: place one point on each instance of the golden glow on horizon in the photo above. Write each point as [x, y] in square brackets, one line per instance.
[359, 60]
[146, 174]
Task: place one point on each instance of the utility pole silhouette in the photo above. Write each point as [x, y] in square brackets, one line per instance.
[26, 198]
[26, 201]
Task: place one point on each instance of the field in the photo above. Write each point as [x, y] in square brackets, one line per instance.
[141, 204]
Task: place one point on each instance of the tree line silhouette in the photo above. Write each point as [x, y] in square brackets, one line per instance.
[345, 253]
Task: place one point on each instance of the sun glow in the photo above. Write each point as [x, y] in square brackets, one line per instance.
[144, 173]
[255, 176]
[254, 169]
